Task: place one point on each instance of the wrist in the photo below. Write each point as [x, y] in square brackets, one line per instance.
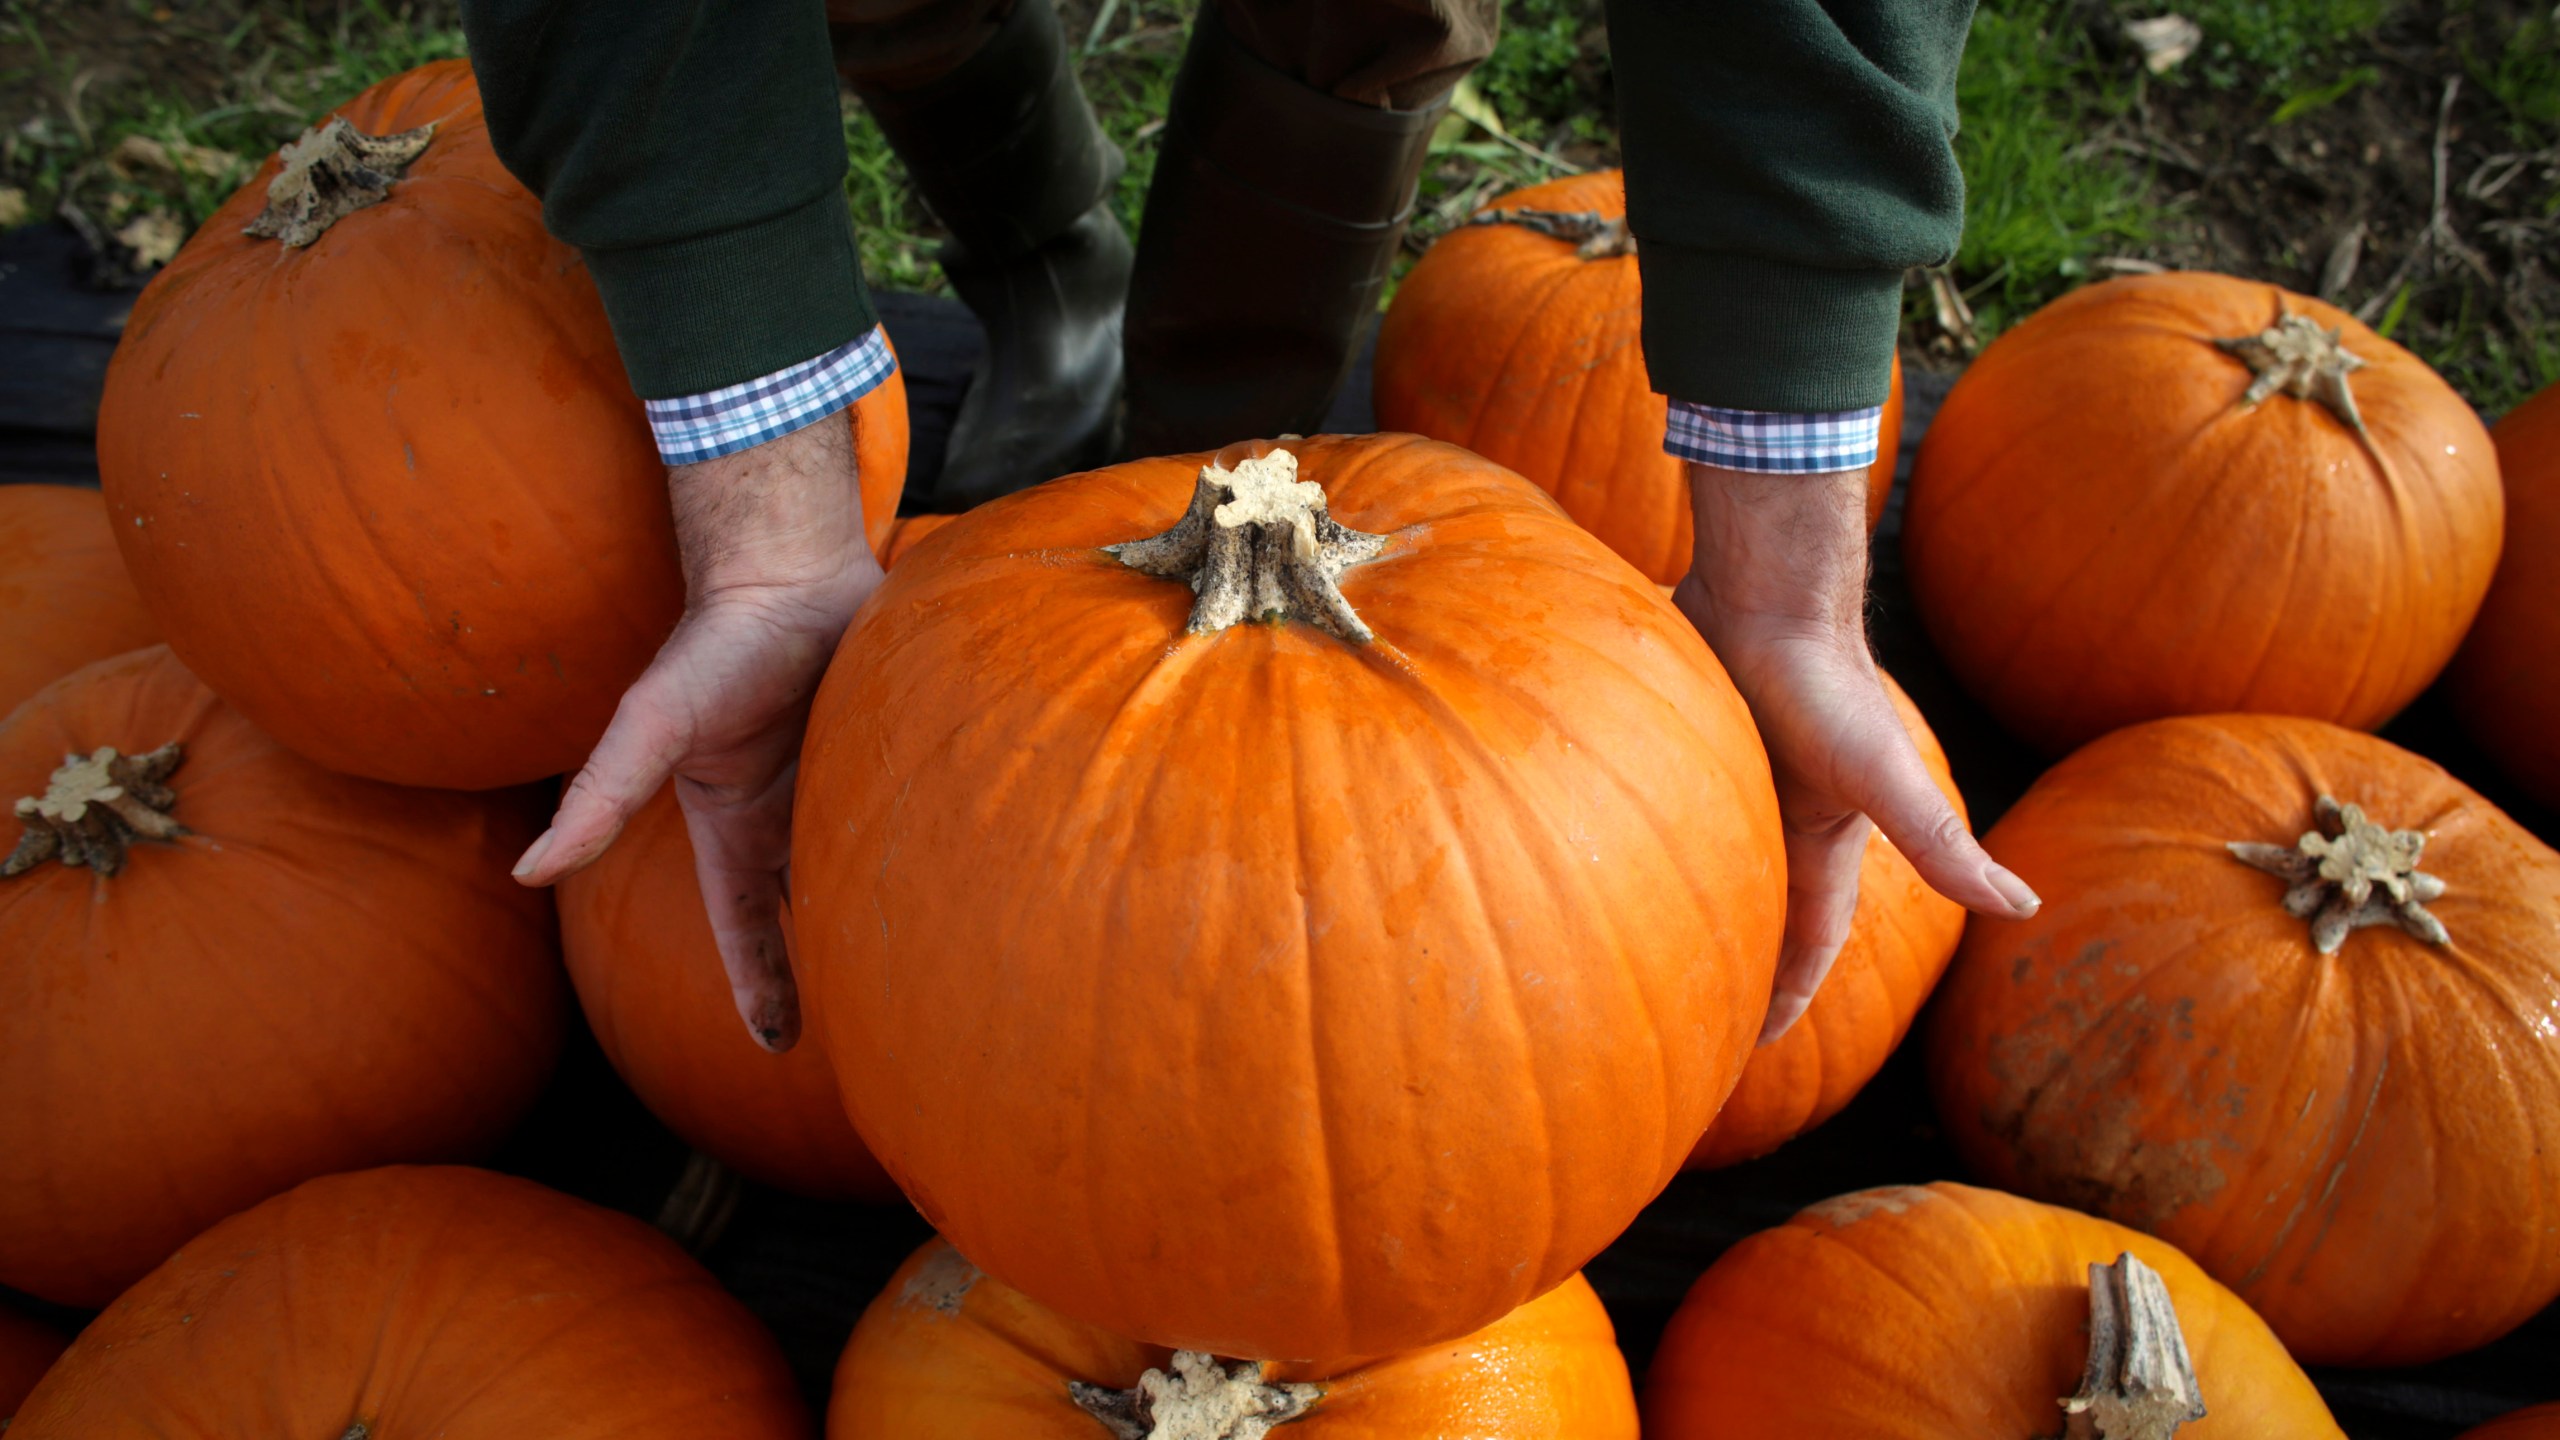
[1777, 556]
[783, 515]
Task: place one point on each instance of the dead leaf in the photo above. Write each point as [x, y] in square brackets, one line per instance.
[13, 207]
[152, 238]
[2164, 40]
[137, 156]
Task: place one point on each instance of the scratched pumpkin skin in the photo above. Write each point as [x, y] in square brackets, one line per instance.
[2366, 1144]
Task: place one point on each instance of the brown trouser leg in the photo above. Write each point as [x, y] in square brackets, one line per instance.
[901, 44]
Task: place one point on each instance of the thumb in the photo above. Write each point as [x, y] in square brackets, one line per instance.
[649, 734]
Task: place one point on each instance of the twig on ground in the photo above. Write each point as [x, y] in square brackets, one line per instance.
[2437, 238]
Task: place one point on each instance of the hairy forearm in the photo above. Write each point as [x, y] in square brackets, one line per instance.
[1778, 552]
[787, 513]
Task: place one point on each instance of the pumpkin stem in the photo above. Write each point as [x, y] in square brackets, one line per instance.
[1201, 1400]
[2139, 1383]
[1595, 236]
[2350, 873]
[1256, 544]
[2296, 356]
[334, 170]
[94, 806]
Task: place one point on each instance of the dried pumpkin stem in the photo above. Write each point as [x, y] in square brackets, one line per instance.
[2296, 357]
[333, 171]
[1203, 1399]
[2139, 1383]
[1595, 236]
[93, 808]
[2350, 873]
[1257, 544]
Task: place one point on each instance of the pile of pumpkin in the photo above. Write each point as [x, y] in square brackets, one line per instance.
[1279, 913]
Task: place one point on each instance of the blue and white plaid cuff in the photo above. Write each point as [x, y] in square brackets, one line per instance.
[694, 428]
[1773, 442]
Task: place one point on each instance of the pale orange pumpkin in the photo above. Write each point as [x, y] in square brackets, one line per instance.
[1900, 941]
[388, 491]
[64, 598]
[2506, 681]
[1943, 1312]
[948, 1352]
[1331, 983]
[2352, 1124]
[640, 952]
[2123, 511]
[311, 973]
[1525, 346]
[423, 1301]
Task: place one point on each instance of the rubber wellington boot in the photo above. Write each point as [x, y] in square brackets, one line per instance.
[1007, 153]
[1274, 214]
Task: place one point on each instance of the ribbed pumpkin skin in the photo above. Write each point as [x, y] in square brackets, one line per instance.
[423, 1301]
[2542, 1422]
[390, 493]
[2506, 681]
[1261, 994]
[64, 598]
[2366, 1146]
[906, 531]
[2098, 534]
[1942, 1312]
[1505, 341]
[328, 973]
[1900, 941]
[949, 1353]
[648, 975]
[27, 1350]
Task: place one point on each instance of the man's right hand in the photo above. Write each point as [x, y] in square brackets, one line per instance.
[775, 565]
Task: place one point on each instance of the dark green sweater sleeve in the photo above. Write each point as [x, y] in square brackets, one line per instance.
[692, 150]
[1786, 161]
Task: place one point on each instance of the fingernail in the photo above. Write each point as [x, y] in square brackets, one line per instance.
[533, 854]
[2023, 902]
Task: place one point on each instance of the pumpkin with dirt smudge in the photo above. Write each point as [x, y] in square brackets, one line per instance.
[1943, 1312]
[2347, 1111]
[949, 1353]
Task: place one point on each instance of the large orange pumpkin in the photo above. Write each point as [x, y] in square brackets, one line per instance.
[27, 1350]
[1330, 983]
[1519, 338]
[949, 1353]
[1900, 941]
[2541, 1422]
[388, 491]
[2184, 494]
[2506, 681]
[311, 973]
[423, 1301]
[906, 531]
[64, 598]
[2354, 1125]
[640, 952]
[1943, 1312]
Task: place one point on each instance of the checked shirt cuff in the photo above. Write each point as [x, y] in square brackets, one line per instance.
[694, 428]
[1773, 442]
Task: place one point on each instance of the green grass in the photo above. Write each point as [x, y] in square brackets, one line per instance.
[2043, 202]
[280, 70]
[2280, 48]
